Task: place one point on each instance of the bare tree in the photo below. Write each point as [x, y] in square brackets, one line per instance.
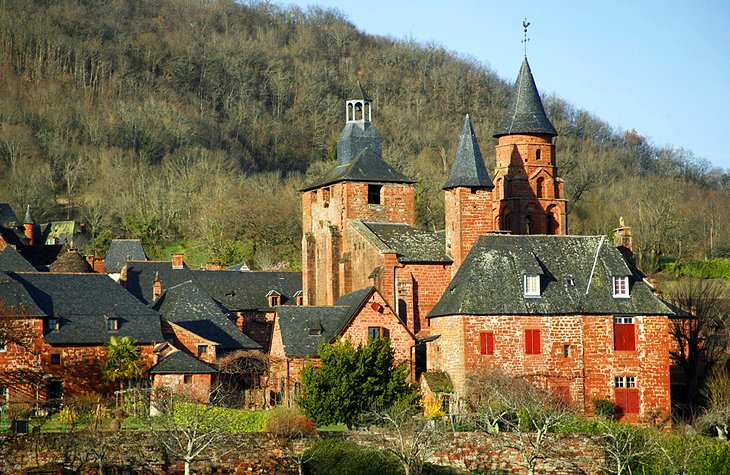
[250, 367]
[701, 333]
[404, 432]
[717, 413]
[503, 403]
[625, 447]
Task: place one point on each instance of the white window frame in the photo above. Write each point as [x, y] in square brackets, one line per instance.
[621, 286]
[627, 382]
[623, 320]
[531, 285]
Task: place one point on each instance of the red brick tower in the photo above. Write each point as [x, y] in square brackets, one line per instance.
[360, 186]
[528, 195]
[468, 198]
[29, 227]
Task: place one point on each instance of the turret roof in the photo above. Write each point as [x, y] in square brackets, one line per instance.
[525, 114]
[468, 169]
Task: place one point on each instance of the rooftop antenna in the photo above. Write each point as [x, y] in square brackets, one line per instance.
[524, 41]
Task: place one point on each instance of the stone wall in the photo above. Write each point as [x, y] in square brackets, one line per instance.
[256, 453]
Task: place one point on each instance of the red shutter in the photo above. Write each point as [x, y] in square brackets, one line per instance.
[490, 343]
[624, 337]
[483, 346]
[632, 401]
[532, 342]
[528, 342]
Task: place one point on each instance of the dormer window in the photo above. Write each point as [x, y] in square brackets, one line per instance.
[112, 324]
[532, 285]
[620, 286]
[274, 298]
[299, 296]
[52, 324]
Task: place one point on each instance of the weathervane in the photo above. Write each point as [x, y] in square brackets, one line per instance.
[525, 24]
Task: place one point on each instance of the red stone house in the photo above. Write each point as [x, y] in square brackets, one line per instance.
[70, 317]
[299, 331]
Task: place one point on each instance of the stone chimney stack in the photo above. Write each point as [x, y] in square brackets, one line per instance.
[178, 260]
[156, 287]
[623, 240]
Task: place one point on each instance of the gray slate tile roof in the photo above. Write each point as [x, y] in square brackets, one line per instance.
[525, 114]
[12, 261]
[121, 251]
[7, 215]
[576, 275]
[366, 167]
[83, 303]
[355, 138]
[468, 169]
[232, 289]
[179, 362]
[410, 244]
[303, 329]
[190, 307]
[14, 295]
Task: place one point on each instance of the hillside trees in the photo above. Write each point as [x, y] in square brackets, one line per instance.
[172, 111]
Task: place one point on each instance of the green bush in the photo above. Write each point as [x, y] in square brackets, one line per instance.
[344, 457]
[289, 422]
[714, 459]
[604, 408]
[707, 269]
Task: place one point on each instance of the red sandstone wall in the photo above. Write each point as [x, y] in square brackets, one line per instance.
[198, 388]
[188, 341]
[258, 326]
[467, 216]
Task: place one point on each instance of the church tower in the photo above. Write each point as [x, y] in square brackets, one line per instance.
[528, 194]
[361, 186]
[468, 198]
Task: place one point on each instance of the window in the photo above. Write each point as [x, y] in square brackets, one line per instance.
[620, 286]
[3, 346]
[378, 332]
[532, 286]
[537, 154]
[52, 324]
[627, 394]
[532, 342]
[274, 300]
[325, 197]
[486, 343]
[374, 194]
[539, 186]
[202, 350]
[55, 358]
[300, 300]
[4, 395]
[112, 324]
[187, 378]
[624, 334]
[566, 351]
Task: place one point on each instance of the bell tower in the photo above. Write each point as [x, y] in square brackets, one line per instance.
[528, 194]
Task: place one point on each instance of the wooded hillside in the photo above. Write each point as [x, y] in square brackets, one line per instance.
[198, 121]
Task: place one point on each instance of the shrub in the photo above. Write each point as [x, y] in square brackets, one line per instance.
[345, 457]
[289, 422]
[604, 408]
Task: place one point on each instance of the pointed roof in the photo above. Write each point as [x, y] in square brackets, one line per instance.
[12, 261]
[468, 169]
[123, 250]
[525, 114]
[359, 93]
[179, 362]
[366, 167]
[71, 261]
[28, 217]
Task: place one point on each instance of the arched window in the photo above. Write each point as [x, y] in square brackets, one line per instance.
[528, 221]
[358, 111]
[539, 187]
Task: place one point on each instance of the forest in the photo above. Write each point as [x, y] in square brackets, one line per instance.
[197, 123]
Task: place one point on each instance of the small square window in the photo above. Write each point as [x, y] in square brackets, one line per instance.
[202, 350]
[52, 324]
[55, 358]
[378, 332]
[112, 324]
[374, 192]
[620, 286]
[187, 378]
[532, 286]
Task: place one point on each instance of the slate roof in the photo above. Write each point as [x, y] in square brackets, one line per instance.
[525, 114]
[366, 167]
[28, 217]
[576, 275]
[121, 251]
[410, 244]
[72, 262]
[13, 294]
[303, 329]
[7, 215]
[468, 169]
[12, 261]
[190, 307]
[232, 289]
[179, 362]
[83, 303]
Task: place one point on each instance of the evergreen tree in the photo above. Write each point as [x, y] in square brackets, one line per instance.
[350, 381]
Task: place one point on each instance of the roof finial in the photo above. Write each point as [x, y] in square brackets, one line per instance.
[525, 24]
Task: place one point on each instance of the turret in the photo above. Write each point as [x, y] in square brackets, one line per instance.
[358, 133]
[29, 226]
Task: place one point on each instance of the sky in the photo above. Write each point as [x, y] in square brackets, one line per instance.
[659, 67]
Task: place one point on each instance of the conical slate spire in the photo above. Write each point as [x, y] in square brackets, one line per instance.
[525, 114]
[468, 169]
[28, 217]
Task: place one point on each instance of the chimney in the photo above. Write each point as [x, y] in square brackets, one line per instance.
[123, 276]
[177, 260]
[28, 225]
[622, 239]
[156, 287]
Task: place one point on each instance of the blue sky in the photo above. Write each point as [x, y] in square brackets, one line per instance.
[660, 67]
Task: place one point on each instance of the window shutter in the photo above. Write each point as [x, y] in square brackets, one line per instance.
[490, 343]
[483, 343]
[528, 342]
[624, 337]
[632, 401]
[532, 342]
